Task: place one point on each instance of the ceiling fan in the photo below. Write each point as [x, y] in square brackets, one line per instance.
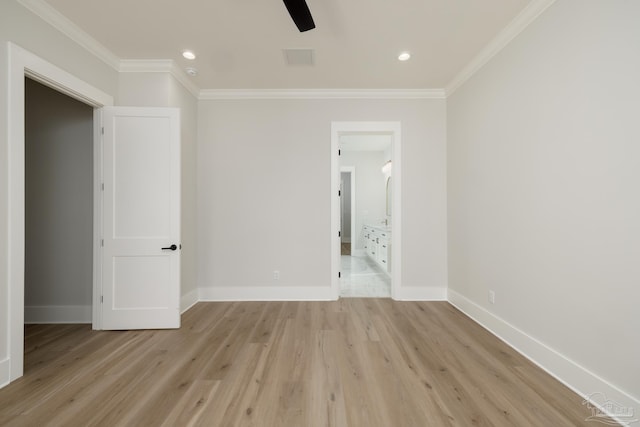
[300, 14]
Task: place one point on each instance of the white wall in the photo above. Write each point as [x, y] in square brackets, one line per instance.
[144, 89]
[370, 189]
[4, 221]
[543, 171]
[181, 98]
[59, 206]
[264, 190]
[387, 154]
[28, 31]
[161, 89]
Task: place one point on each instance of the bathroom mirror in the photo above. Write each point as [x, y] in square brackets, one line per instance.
[389, 199]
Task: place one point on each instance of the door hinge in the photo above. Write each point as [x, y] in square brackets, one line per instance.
[339, 233]
[103, 186]
[102, 242]
[339, 274]
[339, 153]
[339, 193]
[101, 298]
[102, 130]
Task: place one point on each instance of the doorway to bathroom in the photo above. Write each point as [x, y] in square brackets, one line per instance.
[366, 211]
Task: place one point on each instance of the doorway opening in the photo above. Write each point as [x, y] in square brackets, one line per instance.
[58, 276]
[366, 269]
[23, 64]
[366, 209]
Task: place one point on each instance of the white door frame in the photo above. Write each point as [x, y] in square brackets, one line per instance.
[351, 170]
[389, 128]
[23, 63]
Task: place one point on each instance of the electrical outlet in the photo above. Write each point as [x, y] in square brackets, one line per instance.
[276, 275]
[492, 297]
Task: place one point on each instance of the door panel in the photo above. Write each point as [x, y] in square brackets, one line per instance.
[143, 210]
[141, 280]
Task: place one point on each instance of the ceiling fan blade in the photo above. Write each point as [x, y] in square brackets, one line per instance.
[300, 14]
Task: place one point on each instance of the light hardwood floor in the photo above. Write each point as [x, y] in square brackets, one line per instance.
[345, 248]
[352, 362]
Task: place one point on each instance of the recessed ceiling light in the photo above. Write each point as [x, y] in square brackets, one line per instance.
[188, 54]
[191, 71]
[404, 56]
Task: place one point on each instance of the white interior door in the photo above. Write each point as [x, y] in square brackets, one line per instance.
[141, 222]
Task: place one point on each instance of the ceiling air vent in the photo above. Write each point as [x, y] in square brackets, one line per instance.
[299, 56]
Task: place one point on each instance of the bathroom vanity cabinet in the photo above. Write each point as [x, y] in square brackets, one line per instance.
[377, 245]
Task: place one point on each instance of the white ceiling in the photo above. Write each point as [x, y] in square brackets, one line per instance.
[239, 43]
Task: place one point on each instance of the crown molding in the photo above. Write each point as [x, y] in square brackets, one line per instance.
[214, 94]
[75, 33]
[159, 66]
[181, 76]
[504, 37]
[71, 30]
[145, 65]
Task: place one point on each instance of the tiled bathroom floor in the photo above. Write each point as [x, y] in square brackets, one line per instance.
[361, 277]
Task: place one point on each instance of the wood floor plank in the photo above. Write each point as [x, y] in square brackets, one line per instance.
[226, 406]
[429, 363]
[264, 327]
[265, 403]
[36, 387]
[238, 326]
[345, 363]
[326, 400]
[188, 359]
[188, 410]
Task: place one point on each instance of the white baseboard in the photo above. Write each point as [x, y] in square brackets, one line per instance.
[5, 372]
[420, 293]
[582, 381]
[188, 300]
[266, 293]
[58, 314]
